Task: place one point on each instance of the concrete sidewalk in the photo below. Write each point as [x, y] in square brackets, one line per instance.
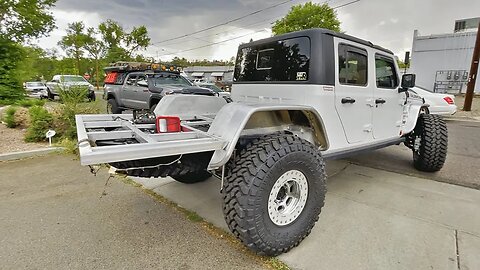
[372, 220]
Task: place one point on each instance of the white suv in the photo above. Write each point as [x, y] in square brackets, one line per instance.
[298, 99]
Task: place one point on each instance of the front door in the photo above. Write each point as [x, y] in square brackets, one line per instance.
[388, 110]
[127, 93]
[353, 92]
[140, 95]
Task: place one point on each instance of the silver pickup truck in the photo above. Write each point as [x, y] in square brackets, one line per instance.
[65, 82]
[140, 86]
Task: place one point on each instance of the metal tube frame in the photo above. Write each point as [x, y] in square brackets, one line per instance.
[91, 128]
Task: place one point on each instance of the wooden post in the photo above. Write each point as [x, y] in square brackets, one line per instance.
[472, 78]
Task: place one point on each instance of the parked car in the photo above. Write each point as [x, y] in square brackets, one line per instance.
[36, 89]
[299, 99]
[65, 82]
[215, 89]
[138, 86]
[442, 104]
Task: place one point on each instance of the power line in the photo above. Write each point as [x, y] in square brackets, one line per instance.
[251, 24]
[215, 43]
[225, 23]
[346, 4]
[237, 37]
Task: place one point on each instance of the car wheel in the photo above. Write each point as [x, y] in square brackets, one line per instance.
[91, 96]
[152, 108]
[274, 192]
[112, 107]
[430, 142]
[50, 96]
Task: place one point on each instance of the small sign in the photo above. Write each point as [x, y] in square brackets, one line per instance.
[50, 133]
[301, 76]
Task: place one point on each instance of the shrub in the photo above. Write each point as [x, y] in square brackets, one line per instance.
[69, 145]
[9, 118]
[22, 119]
[73, 103]
[30, 102]
[40, 122]
[75, 94]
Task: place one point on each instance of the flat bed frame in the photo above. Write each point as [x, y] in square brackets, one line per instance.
[91, 128]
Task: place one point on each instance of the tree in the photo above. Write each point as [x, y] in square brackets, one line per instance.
[121, 45]
[21, 20]
[307, 16]
[136, 40]
[73, 43]
[96, 49]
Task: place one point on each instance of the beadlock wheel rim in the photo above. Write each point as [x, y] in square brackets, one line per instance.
[287, 198]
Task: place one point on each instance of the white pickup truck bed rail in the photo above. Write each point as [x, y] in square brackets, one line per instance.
[92, 128]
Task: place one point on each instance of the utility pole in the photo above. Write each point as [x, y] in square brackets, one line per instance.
[467, 106]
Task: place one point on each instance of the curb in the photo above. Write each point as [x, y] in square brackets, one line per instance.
[464, 119]
[30, 153]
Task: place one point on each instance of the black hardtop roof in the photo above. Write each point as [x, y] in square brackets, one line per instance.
[315, 32]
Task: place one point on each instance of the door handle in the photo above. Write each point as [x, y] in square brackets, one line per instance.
[380, 101]
[348, 100]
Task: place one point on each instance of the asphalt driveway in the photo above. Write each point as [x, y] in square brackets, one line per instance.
[54, 217]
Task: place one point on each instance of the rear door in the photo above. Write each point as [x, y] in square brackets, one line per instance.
[353, 92]
[388, 110]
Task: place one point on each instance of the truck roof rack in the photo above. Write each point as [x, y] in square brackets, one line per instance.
[124, 66]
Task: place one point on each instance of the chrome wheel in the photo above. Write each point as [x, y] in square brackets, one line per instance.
[287, 197]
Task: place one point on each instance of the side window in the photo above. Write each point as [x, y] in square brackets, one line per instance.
[141, 80]
[131, 79]
[385, 72]
[352, 65]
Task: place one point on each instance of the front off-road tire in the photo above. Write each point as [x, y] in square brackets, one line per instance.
[112, 106]
[430, 141]
[264, 177]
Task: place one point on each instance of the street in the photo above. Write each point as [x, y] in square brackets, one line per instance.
[463, 159]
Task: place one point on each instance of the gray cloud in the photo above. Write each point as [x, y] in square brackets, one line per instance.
[389, 23]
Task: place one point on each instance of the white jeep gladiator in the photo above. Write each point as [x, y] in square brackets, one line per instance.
[298, 99]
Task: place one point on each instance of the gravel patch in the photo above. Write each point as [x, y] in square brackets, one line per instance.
[11, 140]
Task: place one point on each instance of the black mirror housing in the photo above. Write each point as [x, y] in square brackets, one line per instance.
[408, 81]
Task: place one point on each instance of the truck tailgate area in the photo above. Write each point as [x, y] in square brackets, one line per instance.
[138, 141]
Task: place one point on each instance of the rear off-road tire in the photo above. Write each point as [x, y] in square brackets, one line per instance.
[264, 176]
[430, 141]
[192, 177]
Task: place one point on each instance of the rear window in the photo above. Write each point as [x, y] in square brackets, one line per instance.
[280, 61]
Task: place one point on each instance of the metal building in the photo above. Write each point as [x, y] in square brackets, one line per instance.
[442, 62]
[211, 73]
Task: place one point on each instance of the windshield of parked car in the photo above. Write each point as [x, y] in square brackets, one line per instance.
[211, 87]
[168, 79]
[34, 84]
[73, 79]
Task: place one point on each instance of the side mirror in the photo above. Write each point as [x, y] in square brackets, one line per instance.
[408, 80]
[130, 82]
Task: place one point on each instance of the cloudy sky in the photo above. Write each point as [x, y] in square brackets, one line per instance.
[389, 23]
